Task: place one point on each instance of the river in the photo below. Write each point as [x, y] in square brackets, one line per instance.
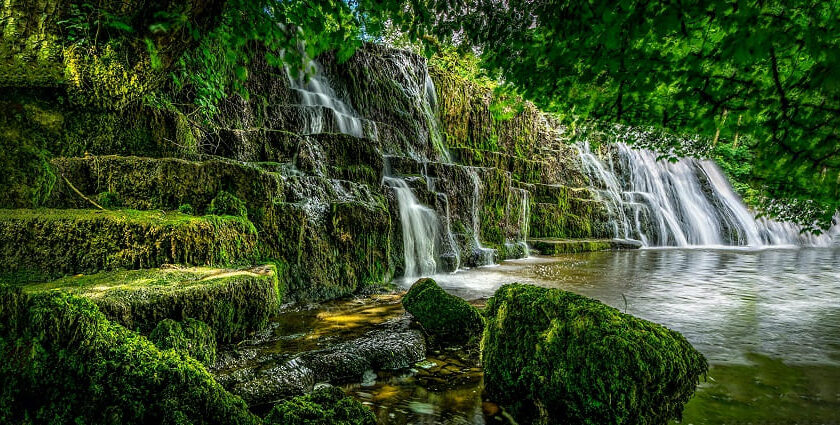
[767, 320]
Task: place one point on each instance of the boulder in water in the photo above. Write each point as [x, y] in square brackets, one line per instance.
[556, 357]
[445, 317]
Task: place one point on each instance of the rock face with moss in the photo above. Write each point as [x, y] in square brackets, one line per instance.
[64, 362]
[445, 317]
[190, 337]
[234, 303]
[558, 358]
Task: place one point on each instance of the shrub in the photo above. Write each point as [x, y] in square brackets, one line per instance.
[556, 357]
[186, 209]
[446, 317]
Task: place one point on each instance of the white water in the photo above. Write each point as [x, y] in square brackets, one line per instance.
[685, 203]
[316, 94]
[419, 230]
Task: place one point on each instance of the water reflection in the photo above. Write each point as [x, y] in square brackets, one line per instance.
[784, 303]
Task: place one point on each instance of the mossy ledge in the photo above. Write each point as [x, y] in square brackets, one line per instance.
[53, 243]
[233, 303]
[64, 362]
[555, 357]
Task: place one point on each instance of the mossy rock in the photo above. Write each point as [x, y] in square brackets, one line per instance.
[554, 357]
[324, 406]
[61, 242]
[64, 362]
[190, 337]
[445, 317]
[226, 203]
[233, 303]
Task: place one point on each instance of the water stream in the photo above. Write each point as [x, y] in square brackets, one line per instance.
[318, 98]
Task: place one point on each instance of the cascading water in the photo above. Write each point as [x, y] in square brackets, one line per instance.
[481, 256]
[685, 203]
[419, 230]
[317, 96]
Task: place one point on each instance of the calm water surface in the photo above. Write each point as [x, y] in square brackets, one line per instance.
[768, 321]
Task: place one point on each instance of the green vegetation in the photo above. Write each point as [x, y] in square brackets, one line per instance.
[445, 317]
[233, 303]
[64, 362]
[755, 72]
[556, 357]
[59, 242]
[325, 406]
[191, 338]
[226, 204]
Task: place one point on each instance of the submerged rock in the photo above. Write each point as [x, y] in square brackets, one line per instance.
[324, 406]
[445, 317]
[556, 357]
[391, 345]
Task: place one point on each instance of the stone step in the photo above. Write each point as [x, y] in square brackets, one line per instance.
[234, 302]
[570, 246]
[52, 242]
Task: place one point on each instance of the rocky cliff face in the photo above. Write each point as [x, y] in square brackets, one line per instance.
[306, 156]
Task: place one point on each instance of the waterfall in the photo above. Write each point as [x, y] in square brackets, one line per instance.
[684, 203]
[419, 230]
[481, 256]
[317, 97]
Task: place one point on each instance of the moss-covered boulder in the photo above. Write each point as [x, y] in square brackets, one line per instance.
[555, 357]
[233, 303]
[445, 317]
[64, 362]
[190, 337]
[324, 406]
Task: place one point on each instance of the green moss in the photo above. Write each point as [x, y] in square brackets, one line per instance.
[557, 247]
[191, 337]
[64, 362]
[233, 303]
[109, 200]
[325, 406]
[186, 209]
[556, 357]
[226, 203]
[58, 242]
[445, 317]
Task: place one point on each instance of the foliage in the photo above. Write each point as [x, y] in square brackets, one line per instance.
[65, 363]
[186, 209]
[557, 357]
[226, 203]
[722, 69]
[108, 200]
[324, 406]
[191, 338]
[445, 317]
